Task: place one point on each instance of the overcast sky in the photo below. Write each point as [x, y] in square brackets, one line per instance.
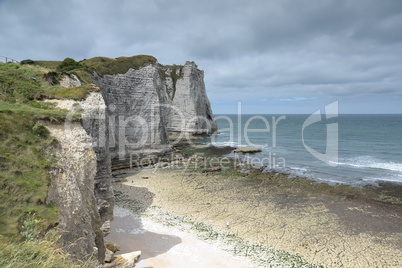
[275, 56]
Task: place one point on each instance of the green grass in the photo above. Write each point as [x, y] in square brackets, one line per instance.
[83, 74]
[28, 111]
[52, 65]
[74, 93]
[44, 67]
[33, 254]
[16, 85]
[36, 72]
[25, 163]
[24, 143]
[19, 92]
[24, 174]
[104, 66]
[40, 253]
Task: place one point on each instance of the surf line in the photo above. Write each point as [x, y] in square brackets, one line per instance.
[244, 132]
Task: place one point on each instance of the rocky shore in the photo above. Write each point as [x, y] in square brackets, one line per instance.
[277, 220]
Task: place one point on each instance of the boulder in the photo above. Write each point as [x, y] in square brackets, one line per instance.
[112, 246]
[247, 150]
[108, 256]
[127, 260]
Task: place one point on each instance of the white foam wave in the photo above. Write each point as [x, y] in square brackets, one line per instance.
[231, 143]
[371, 162]
[386, 179]
[225, 143]
[301, 169]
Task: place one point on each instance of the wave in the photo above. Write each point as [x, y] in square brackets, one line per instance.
[386, 179]
[226, 143]
[233, 144]
[371, 162]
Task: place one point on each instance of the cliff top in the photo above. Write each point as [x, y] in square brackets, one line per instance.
[105, 65]
[121, 65]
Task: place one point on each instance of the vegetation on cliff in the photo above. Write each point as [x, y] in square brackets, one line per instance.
[121, 65]
[25, 163]
[24, 174]
[25, 143]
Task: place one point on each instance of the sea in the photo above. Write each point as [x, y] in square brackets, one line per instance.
[350, 149]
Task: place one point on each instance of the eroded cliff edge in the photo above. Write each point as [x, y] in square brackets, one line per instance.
[128, 121]
[81, 185]
[72, 189]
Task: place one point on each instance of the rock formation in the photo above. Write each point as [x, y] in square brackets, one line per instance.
[190, 108]
[95, 123]
[148, 104]
[136, 116]
[72, 190]
[82, 182]
[127, 123]
[69, 80]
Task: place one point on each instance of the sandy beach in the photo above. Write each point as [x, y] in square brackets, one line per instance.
[168, 246]
[272, 211]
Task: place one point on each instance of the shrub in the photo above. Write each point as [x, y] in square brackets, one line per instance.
[68, 64]
[28, 61]
[40, 130]
[29, 230]
[52, 78]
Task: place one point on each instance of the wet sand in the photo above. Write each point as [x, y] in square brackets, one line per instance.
[323, 228]
[164, 246]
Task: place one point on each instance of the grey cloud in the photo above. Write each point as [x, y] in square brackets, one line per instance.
[250, 50]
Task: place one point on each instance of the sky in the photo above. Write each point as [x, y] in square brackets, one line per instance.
[272, 56]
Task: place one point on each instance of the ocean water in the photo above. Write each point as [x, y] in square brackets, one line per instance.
[347, 149]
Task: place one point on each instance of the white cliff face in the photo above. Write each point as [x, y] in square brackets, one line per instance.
[69, 80]
[81, 186]
[72, 190]
[127, 123]
[147, 105]
[95, 121]
[191, 109]
[136, 108]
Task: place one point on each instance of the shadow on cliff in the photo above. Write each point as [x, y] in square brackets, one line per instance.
[128, 230]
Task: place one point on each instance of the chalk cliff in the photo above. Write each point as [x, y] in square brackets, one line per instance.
[72, 190]
[127, 123]
[190, 109]
[149, 103]
[137, 118]
[95, 121]
[81, 185]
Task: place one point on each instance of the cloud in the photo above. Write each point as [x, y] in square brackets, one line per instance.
[250, 50]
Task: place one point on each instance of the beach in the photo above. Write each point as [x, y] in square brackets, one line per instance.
[319, 223]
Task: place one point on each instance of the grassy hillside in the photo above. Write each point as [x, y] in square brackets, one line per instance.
[25, 144]
[25, 163]
[24, 174]
[52, 65]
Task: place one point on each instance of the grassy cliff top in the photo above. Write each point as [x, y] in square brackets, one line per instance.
[102, 65]
[121, 65]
